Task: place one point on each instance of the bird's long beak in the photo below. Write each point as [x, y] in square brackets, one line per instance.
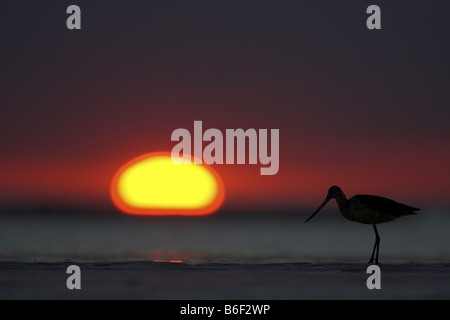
[318, 209]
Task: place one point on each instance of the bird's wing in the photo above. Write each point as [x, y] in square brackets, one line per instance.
[386, 205]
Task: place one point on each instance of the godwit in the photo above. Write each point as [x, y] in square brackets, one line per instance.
[367, 209]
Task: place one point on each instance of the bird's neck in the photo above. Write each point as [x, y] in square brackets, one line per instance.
[342, 203]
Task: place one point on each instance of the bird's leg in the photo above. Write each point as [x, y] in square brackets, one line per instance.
[376, 246]
[373, 253]
[378, 242]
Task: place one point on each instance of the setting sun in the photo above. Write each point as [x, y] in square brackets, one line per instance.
[153, 184]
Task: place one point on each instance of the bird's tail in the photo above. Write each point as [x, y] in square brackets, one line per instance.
[411, 210]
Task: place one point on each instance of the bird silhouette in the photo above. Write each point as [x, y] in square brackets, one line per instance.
[367, 209]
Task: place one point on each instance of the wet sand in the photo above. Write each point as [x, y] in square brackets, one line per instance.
[164, 280]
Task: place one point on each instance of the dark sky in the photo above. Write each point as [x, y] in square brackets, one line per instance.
[366, 110]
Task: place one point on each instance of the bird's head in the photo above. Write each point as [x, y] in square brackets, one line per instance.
[333, 192]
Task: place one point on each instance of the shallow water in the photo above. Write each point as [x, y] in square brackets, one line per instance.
[221, 238]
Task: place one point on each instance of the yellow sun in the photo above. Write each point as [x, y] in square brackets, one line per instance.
[153, 184]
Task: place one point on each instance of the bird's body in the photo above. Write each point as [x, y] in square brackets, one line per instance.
[367, 209]
[370, 209]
